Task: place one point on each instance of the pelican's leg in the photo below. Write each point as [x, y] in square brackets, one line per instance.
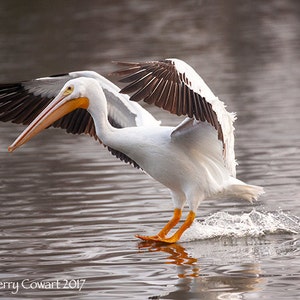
[176, 236]
[162, 234]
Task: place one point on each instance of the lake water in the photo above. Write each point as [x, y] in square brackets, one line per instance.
[69, 210]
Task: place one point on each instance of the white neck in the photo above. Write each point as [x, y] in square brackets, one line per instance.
[98, 110]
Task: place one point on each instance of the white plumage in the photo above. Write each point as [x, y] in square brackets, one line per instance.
[195, 160]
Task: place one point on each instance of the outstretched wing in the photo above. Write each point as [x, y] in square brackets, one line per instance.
[21, 102]
[166, 85]
[176, 87]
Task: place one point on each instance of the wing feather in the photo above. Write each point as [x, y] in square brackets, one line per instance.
[161, 83]
[180, 90]
[21, 102]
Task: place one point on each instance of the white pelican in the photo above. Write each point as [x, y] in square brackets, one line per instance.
[195, 160]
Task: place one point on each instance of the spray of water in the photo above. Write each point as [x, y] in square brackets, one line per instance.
[255, 223]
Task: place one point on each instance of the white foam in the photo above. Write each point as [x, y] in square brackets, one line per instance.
[255, 223]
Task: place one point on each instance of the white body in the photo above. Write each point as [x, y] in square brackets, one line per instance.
[187, 159]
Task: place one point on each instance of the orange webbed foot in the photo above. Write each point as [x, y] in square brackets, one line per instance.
[158, 239]
[161, 236]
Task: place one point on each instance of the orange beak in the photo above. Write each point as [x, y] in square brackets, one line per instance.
[58, 108]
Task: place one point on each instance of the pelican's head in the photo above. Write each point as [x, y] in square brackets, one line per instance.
[73, 95]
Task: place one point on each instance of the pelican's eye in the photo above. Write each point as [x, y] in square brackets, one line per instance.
[69, 90]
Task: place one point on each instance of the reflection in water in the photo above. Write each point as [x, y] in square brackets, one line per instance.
[221, 269]
[191, 271]
[178, 256]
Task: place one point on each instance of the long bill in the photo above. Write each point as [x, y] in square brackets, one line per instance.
[58, 108]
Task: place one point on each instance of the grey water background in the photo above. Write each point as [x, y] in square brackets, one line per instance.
[69, 210]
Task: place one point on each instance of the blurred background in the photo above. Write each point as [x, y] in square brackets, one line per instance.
[65, 211]
[247, 52]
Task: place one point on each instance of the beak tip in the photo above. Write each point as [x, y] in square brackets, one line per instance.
[11, 149]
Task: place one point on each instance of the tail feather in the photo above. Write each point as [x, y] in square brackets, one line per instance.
[244, 191]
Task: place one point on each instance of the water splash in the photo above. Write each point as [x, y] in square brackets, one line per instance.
[255, 223]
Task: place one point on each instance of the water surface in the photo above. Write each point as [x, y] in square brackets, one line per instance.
[69, 210]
